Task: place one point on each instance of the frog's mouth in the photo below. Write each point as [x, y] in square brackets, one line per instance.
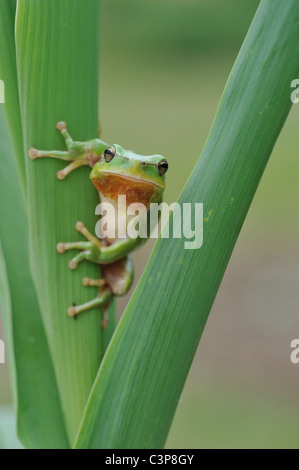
[136, 190]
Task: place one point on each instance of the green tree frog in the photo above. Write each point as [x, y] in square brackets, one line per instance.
[115, 172]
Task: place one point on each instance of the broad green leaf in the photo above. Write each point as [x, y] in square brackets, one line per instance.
[58, 61]
[143, 372]
[39, 417]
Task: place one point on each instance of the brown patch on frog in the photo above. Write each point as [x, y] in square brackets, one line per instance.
[115, 276]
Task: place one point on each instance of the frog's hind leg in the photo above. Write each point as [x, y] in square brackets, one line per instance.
[117, 280]
[118, 276]
[101, 301]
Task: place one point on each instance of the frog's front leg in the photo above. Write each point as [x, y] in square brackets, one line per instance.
[78, 153]
[89, 250]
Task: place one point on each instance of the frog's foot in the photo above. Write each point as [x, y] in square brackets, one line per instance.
[77, 153]
[101, 301]
[89, 250]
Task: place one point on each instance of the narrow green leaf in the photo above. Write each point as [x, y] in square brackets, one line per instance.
[6, 311]
[142, 375]
[58, 62]
[39, 417]
[8, 73]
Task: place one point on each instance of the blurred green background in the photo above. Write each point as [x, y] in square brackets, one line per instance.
[164, 64]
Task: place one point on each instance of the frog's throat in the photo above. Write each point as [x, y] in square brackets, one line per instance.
[135, 190]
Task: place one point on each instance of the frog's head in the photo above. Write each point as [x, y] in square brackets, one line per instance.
[123, 172]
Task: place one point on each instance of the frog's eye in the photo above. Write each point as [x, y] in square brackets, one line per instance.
[162, 167]
[109, 154]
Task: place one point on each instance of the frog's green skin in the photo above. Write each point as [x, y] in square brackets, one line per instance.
[115, 171]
